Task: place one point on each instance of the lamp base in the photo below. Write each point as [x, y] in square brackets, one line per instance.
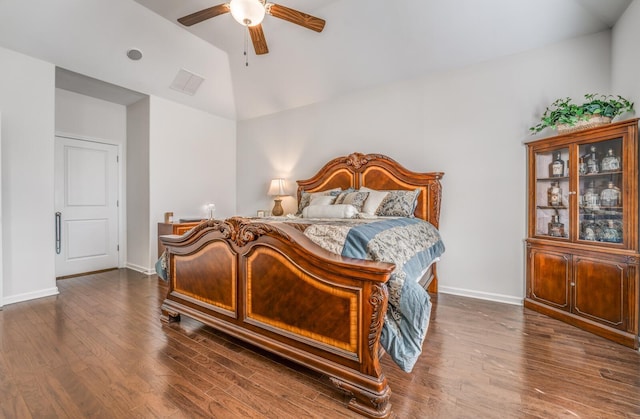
[277, 208]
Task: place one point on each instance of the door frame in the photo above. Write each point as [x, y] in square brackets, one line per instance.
[1, 240]
[122, 213]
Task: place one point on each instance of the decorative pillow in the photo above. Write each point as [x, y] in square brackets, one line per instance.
[399, 204]
[373, 201]
[330, 211]
[322, 200]
[305, 197]
[343, 194]
[356, 199]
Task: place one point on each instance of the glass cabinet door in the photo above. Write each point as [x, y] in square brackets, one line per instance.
[600, 203]
[552, 193]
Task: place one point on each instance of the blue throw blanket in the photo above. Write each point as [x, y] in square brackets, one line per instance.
[411, 244]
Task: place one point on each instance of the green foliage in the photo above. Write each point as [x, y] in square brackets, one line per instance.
[563, 111]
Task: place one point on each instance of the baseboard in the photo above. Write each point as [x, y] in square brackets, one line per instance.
[500, 298]
[12, 299]
[141, 269]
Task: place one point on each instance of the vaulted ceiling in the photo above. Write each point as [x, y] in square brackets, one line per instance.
[364, 43]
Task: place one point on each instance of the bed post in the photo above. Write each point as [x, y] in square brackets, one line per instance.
[371, 398]
[365, 402]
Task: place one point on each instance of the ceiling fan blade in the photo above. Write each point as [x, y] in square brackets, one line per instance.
[294, 16]
[204, 14]
[258, 39]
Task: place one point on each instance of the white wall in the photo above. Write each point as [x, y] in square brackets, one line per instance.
[625, 60]
[194, 156]
[468, 123]
[85, 117]
[27, 90]
[138, 232]
[184, 158]
[192, 162]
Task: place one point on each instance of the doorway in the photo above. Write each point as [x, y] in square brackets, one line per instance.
[86, 206]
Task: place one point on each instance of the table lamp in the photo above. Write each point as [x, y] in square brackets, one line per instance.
[277, 189]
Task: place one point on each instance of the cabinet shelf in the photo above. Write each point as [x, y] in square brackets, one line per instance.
[548, 236]
[583, 260]
[600, 174]
[552, 179]
[600, 209]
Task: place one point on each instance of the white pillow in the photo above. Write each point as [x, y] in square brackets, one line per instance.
[373, 201]
[322, 200]
[305, 197]
[330, 211]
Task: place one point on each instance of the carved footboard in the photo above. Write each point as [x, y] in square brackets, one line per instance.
[267, 284]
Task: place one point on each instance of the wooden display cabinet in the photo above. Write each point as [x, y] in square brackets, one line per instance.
[582, 245]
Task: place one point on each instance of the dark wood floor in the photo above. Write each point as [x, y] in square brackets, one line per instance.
[99, 350]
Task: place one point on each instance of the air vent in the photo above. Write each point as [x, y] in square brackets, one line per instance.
[186, 82]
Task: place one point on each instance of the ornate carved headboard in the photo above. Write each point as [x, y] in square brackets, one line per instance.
[380, 172]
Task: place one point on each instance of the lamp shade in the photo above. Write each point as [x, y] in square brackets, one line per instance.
[276, 188]
[247, 12]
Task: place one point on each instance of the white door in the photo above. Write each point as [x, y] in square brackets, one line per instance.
[86, 205]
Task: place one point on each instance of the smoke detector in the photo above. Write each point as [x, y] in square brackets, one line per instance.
[134, 54]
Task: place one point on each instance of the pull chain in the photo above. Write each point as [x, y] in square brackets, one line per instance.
[246, 47]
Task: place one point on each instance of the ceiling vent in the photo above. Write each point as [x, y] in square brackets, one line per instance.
[186, 82]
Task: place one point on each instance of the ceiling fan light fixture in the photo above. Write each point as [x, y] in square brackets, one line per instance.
[247, 12]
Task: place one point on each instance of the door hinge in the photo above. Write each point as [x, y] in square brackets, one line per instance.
[117, 159]
[118, 203]
[118, 247]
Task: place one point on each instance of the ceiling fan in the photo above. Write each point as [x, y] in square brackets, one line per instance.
[250, 13]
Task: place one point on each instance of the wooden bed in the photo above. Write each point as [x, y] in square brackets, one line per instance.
[266, 283]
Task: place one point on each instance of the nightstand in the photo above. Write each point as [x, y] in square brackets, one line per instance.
[173, 228]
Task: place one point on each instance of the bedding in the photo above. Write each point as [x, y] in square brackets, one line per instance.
[389, 203]
[409, 243]
[373, 200]
[398, 204]
[355, 198]
[306, 197]
[322, 200]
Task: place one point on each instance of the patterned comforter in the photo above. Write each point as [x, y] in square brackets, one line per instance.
[412, 245]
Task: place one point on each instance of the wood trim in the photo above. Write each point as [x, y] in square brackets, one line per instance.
[86, 273]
